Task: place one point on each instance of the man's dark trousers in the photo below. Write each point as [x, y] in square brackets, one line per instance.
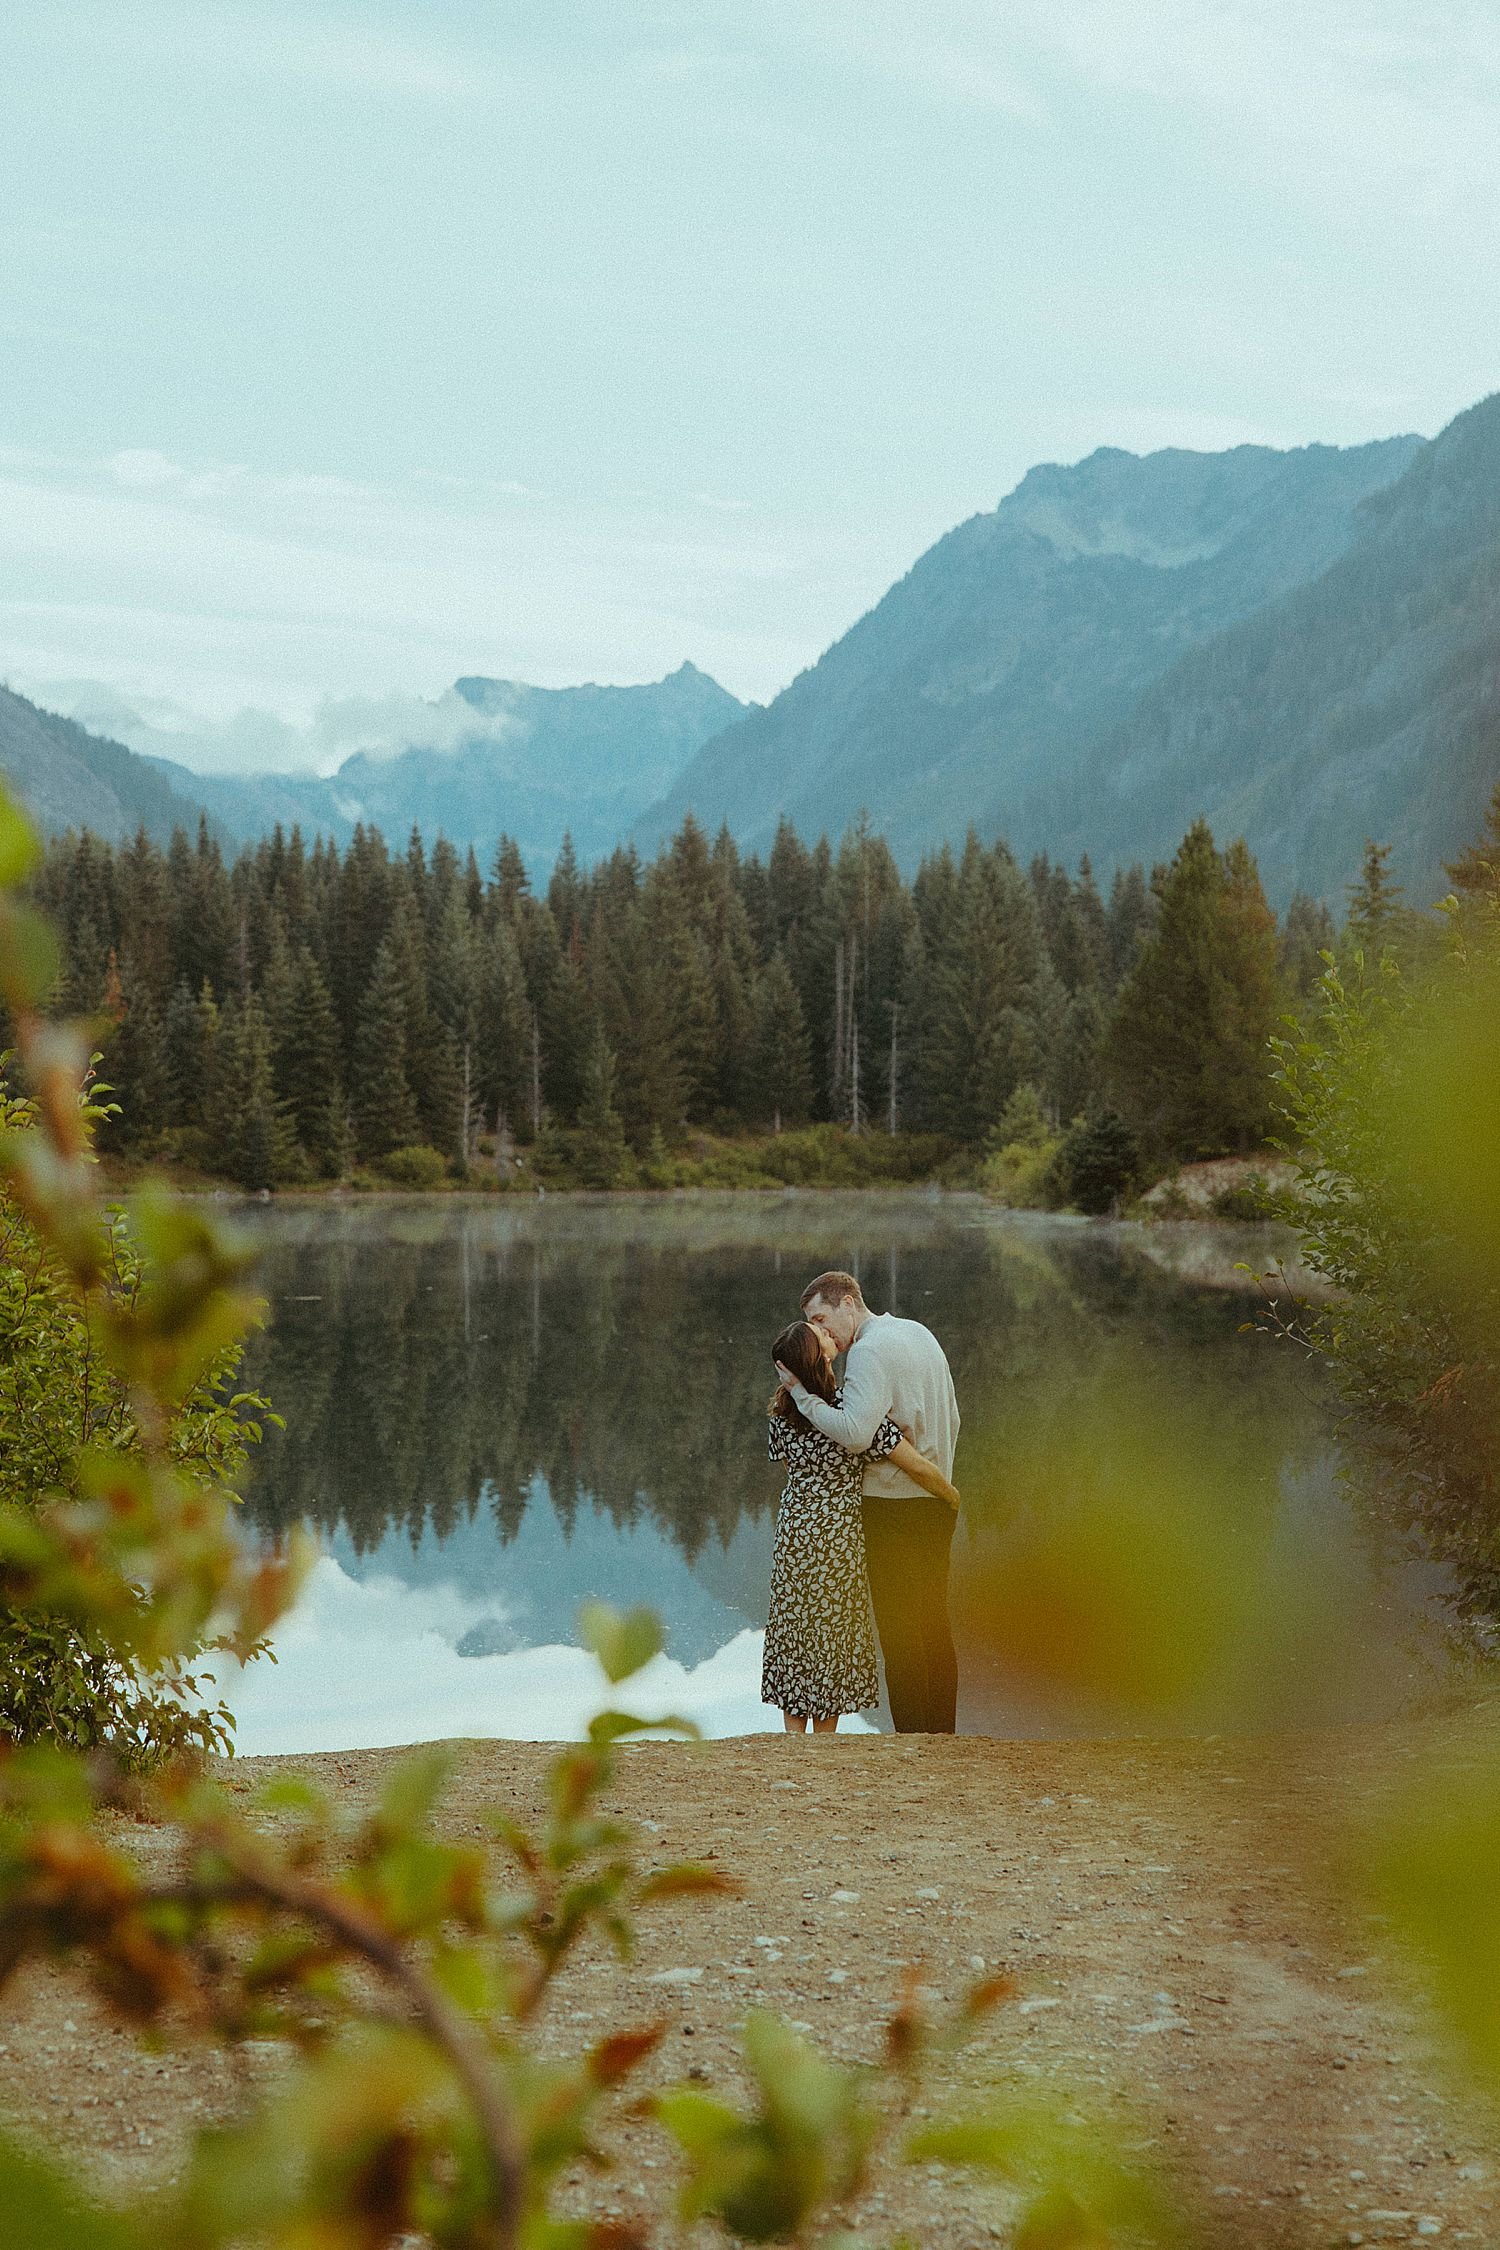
[906, 1546]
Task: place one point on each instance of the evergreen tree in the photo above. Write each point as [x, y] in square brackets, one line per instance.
[253, 1142]
[981, 965]
[440, 1094]
[189, 1038]
[1377, 921]
[1130, 919]
[1099, 1163]
[1475, 874]
[781, 1072]
[1072, 1064]
[600, 1151]
[636, 1006]
[567, 1027]
[385, 1116]
[565, 891]
[1187, 1050]
[135, 1067]
[502, 1023]
[306, 1062]
[1306, 935]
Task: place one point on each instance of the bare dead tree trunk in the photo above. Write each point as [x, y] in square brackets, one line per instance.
[536, 1075]
[895, 1080]
[836, 1076]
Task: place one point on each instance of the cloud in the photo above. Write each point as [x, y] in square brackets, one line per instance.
[140, 469]
[253, 740]
[365, 1664]
[298, 594]
[1330, 96]
[383, 726]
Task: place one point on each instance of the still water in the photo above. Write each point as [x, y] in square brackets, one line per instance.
[496, 1410]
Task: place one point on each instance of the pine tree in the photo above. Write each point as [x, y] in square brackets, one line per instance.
[600, 1151]
[253, 1141]
[385, 1116]
[981, 964]
[306, 1060]
[781, 1066]
[1187, 1051]
[636, 1005]
[1377, 921]
[502, 1023]
[189, 1037]
[1072, 1065]
[1306, 935]
[135, 1066]
[565, 890]
[1130, 919]
[567, 1027]
[1475, 874]
[1099, 1163]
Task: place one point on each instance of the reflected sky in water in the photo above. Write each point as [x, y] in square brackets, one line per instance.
[496, 1410]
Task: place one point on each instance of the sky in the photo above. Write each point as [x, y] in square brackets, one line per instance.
[346, 348]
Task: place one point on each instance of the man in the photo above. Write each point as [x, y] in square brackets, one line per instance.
[897, 1368]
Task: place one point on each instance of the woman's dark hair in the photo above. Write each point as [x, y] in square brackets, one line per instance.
[798, 1348]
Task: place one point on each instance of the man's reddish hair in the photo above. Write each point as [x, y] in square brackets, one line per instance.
[831, 1289]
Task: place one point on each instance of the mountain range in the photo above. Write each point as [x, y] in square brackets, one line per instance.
[1300, 645]
[537, 762]
[1304, 647]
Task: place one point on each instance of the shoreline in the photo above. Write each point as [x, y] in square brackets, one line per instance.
[1181, 1967]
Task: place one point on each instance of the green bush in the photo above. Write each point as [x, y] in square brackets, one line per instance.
[1098, 1164]
[63, 1406]
[415, 1167]
[1022, 1174]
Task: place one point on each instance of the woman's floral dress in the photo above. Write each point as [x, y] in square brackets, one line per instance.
[820, 1639]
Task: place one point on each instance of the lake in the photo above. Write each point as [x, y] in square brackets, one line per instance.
[496, 1409]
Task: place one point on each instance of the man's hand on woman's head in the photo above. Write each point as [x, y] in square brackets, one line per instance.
[786, 1375]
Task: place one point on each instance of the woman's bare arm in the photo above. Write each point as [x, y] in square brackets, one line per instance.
[915, 1465]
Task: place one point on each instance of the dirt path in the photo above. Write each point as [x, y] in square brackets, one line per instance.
[1174, 1968]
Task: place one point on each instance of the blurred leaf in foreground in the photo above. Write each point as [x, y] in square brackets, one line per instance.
[1429, 1861]
[1148, 1564]
[1079, 2190]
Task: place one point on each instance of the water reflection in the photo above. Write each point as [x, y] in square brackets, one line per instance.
[495, 1411]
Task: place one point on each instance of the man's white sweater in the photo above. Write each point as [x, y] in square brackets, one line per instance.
[898, 1368]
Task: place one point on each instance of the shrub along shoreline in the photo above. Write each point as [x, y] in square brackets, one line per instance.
[1020, 1176]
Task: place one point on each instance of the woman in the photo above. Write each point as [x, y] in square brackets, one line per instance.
[820, 1642]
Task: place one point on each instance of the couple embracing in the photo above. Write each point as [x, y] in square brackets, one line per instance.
[866, 1518]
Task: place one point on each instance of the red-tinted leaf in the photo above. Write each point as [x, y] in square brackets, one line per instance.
[689, 1881]
[614, 2058]
[989, 1993]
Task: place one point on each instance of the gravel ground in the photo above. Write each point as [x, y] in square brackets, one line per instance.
[1176, 1968]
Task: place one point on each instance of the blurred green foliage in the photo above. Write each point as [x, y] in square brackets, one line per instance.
[1391, 1103]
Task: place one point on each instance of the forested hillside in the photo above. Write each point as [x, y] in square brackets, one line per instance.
[70, 778]
[978, 689]
[298, 1014]
[1365, 704]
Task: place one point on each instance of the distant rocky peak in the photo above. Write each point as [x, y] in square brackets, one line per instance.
[687, 684]
[1175, 506]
